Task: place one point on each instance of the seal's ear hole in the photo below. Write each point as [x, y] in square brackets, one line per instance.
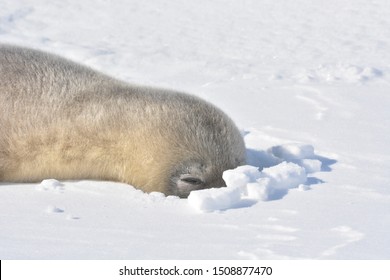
[191, 180]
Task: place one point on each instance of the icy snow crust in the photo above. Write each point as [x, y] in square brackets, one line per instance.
[308, 84]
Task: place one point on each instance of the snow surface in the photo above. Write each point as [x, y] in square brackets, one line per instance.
[308, 84]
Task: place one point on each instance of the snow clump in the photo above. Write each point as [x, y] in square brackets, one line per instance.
[248, 183]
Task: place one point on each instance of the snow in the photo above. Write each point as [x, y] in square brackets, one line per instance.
[246, 183]
[308, 84]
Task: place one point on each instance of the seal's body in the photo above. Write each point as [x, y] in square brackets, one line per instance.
[61, 120]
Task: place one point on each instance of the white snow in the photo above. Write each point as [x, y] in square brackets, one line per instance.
[308, 84]
[247, 183]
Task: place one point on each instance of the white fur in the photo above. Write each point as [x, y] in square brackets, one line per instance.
[61, 120]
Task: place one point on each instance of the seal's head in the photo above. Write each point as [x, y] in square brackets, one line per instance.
[213, 147]
[187, 152]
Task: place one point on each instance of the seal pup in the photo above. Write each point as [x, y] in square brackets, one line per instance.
[59, 119]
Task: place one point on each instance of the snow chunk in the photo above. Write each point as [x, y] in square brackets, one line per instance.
[285, 175]
[49, 184]
[293, 151]
[214, 199]
[241, 176]
[259, 190]
[247, 182]
[301, 154]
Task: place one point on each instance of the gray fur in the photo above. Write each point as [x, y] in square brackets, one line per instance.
[61, 120]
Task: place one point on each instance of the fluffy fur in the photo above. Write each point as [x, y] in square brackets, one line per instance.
[61, 120]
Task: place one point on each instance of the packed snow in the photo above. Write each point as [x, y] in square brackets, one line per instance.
[307, 82]
[246, 184]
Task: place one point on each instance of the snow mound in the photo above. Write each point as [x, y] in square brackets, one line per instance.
[293, 151]
[291, 164]
[50, 184]
[300, 154]
[248, 183]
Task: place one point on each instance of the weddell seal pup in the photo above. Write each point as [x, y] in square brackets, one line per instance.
[62, 120]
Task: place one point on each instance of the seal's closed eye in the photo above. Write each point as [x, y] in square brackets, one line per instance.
[191, 180]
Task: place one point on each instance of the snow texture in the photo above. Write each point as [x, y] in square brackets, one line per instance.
[308, 84]
[247, 183]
